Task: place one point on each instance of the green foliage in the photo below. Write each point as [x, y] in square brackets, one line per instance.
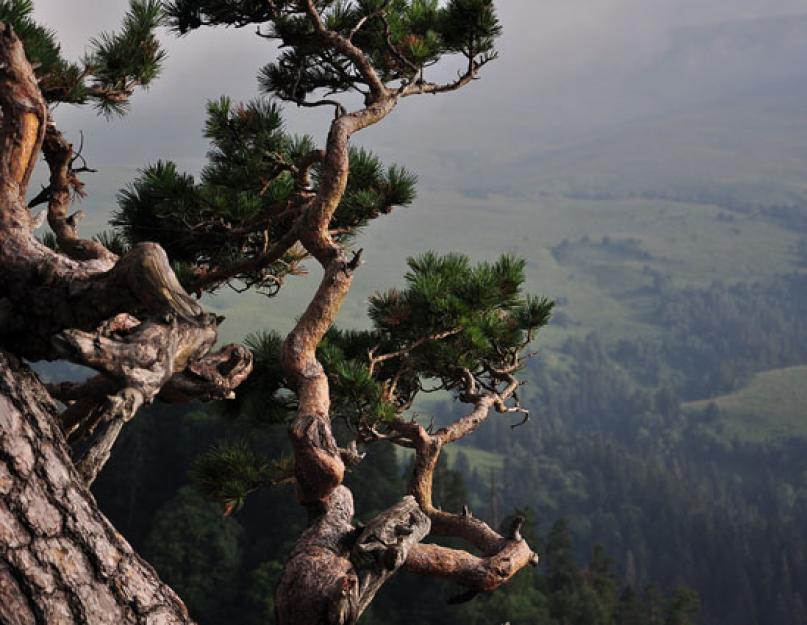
[372, 191]
[48, 239]
[238, 207]
[470, 27]
[453, 314]
[480, 307]
[115, 64]
[453, 319]
[186, 15]
[128, 57]
[113, 241]
[197, 552]
[400, 37]
[152, 206]
[40, 43]
[264, 398]
[231, 470]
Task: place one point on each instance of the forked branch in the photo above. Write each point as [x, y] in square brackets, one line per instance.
[502, 556]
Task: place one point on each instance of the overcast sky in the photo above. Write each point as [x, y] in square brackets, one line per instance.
[568, 68]
[569, 71]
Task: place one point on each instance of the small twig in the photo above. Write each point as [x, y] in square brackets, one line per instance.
[438, 336]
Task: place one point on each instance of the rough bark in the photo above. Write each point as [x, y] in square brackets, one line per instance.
[385, 544]
[130, 319]
[61, 561]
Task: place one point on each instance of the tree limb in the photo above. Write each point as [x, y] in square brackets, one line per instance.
[22, 127]
[477, 574]
[63, 183]
[110, 418]
[502, 556]
[344, 45]
[421, 87]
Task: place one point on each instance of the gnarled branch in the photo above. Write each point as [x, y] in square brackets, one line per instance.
[58, 153]
[385, 544]
[465, 569]
[502, 557]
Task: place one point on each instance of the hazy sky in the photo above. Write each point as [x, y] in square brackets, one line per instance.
[568, 68]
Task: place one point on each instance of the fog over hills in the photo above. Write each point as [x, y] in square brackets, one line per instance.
[752, 146]
[649, 160]
[720, 106]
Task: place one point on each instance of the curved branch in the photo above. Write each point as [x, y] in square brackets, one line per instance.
[469, 423]
[421, 87]
[58, 153]
[344, 45]
[318, 467]
[274, 253]
[437, 336]
[465, 569]
[502, 556]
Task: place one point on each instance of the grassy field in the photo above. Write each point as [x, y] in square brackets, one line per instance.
[597, 288]
[773, 405]
[616, 240]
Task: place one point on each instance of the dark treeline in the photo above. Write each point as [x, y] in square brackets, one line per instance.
[674, 502]
[662, 487]
[226, 567]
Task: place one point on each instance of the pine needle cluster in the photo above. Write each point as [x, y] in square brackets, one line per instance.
[401, 37]
[454, 326]
[114, 65]
[239, 206]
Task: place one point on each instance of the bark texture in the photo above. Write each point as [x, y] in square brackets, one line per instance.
[61, 561]
[335, 570]
[131, 320]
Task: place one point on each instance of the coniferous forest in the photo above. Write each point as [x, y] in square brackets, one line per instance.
[633, 500]
[570, 390]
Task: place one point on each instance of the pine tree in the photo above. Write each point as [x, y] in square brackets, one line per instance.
[266, 202]
[683, 607]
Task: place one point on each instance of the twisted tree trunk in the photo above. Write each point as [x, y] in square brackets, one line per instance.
[129, 318]
[61, 561]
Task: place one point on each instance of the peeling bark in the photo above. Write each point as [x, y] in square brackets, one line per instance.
[385, 544]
